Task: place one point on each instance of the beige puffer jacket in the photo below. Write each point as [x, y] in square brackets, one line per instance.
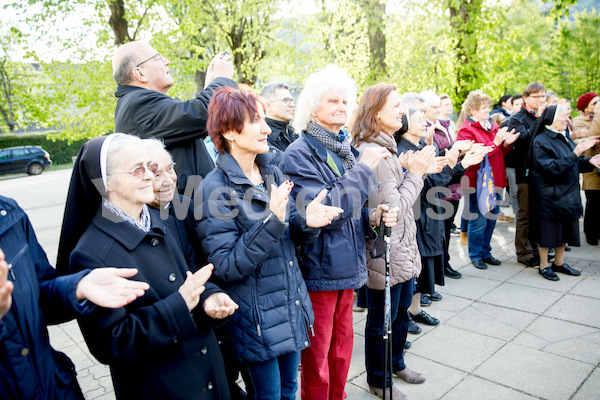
[403, 189]
[591, 180]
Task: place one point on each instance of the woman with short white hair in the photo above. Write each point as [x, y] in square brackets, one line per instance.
[335, 263]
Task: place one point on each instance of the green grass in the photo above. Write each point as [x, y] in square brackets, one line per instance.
[56, 167]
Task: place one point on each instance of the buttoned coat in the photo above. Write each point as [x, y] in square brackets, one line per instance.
[255, 260]
[555, 177]
[155, 347]
[402, 189]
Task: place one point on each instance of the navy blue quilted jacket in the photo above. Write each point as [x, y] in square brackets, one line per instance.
[254, 260]
[337, 259]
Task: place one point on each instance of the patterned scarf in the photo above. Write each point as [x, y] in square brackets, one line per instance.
[144, 223]
[342, 149]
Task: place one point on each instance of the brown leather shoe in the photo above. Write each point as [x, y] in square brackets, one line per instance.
[398, 395]
[464, 239]
[409, 376]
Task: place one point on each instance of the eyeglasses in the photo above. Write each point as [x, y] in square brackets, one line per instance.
[140, 172]
[538, 96]
[286, 100]
[149, 58]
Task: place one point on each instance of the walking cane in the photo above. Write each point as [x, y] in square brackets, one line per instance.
[387, 312]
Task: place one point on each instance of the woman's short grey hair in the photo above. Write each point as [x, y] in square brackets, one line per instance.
[430, 98]
[114, 158]
[412, 100]
[154, 144]
[329, 79]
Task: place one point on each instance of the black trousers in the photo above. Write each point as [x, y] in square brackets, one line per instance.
[591, 217]
[447, 227]
[401, 297]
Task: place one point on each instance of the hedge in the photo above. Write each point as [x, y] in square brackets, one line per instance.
[61, 152]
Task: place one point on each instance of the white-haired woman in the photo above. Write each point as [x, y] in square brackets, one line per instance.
[161, 345]
[335, 263]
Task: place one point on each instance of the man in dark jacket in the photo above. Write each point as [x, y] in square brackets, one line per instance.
[33, 295]
[145, 109]
[534, 102]
[279, 112]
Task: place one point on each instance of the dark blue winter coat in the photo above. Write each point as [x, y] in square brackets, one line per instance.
[29, 368]
[337, 259]
[155, 347]
[253, 253]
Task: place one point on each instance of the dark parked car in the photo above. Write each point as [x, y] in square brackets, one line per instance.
[30, 159]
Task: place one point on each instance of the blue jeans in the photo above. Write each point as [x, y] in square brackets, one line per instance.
[480, 229]
[401, 297]
[273, 379]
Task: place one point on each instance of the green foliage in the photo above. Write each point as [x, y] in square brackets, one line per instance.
[61, 151]
[449, 46]
[20, 84]
[575, 61]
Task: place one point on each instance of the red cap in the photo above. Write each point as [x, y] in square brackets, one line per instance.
[585, 99]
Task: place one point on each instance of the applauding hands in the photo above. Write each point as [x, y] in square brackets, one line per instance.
[503, 136]
[318, 215]
[586, 144]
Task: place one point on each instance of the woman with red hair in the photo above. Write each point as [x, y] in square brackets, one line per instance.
[247, 230]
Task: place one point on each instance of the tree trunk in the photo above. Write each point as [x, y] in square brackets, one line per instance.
[7, 112]
[199, 78]
[375, 12]
[118, 23]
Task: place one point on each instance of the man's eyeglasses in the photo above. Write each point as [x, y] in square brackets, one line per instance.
[287, 100]
[140, 171]
[149, 58]
[538, 96]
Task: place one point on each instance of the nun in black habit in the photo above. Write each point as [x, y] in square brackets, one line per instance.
[555, 164]
[161, 345]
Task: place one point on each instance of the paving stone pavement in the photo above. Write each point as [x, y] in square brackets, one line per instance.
[505, 333]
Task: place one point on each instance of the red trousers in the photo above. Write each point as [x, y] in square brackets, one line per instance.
[326, 362]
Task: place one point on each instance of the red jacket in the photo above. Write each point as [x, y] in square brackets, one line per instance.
[471, 130]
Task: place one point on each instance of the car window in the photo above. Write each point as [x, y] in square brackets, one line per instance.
[4, 154]
[19, 153]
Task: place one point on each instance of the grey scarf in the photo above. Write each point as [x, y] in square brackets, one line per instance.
[342, 149]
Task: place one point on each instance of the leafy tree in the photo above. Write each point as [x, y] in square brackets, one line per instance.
[241, 27]
[466, 21]
[576, 58]
[19, 85]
